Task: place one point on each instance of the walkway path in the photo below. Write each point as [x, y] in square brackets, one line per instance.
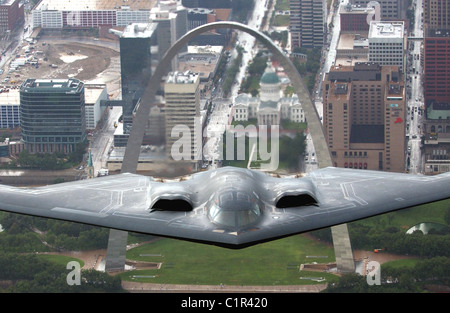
[148, 287]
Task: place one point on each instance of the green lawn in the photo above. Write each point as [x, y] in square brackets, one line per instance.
[272, 263]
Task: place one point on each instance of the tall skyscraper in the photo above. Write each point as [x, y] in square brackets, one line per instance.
[364, 117]
[182, 94]
[172, 24]
[135, 66]
[308, 23]
[52, 114]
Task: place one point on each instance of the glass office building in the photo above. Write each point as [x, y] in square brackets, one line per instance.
[52, 114]
[135, 66]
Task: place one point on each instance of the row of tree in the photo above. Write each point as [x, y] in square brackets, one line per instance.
[309, 69]
[53, 161]
[30, 273]
[435, 271]
[394, 240]
[26, 233]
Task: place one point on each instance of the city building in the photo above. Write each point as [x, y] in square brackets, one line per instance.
[209, 4]
[437, 138]
[90, 13]
[364, 111]
[352, 48]
[436, 87]
[201, 16]
[436, 14]
[308, 23]
[135, 65]
[203, 60]
[390, 9]
[9, 108]
[182, 110]
[387, 43]
[94, 95]
[172, 24]
[354, 18]
[52, 114]
[270, 107]
[4, 149]
[437, 65]
[11, 14]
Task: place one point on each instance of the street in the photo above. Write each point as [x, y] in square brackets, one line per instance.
[103, 138]
[219, 117]
[414, 87]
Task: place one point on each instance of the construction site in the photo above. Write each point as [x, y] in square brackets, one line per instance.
[55, 58]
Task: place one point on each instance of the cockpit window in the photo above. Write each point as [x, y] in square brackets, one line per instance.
[234, 209]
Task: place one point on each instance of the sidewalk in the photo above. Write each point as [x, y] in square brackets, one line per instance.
[148, 287]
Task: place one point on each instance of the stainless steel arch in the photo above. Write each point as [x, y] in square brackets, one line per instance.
[137, 132]
[117, 241]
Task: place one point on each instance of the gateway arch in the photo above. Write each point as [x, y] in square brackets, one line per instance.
[115, 259]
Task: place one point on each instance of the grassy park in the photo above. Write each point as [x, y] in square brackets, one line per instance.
[272, 263]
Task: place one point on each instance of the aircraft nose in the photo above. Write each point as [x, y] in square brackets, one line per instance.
[234, 210]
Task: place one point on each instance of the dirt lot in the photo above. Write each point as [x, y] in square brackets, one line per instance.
[63, 60]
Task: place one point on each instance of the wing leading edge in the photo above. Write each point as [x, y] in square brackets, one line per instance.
[125, 202]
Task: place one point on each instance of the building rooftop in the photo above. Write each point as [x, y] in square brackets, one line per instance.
[7, 2]
[437, 110]
[70, 84]
[10, 97]
[187, 77]
[386, 29]
[355, 9]
[95, 5]
[433, 32]
[92, 93]
[200, 59]
[138, 30]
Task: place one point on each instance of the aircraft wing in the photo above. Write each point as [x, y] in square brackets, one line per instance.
[346, 195]
[121, 201]
[197, 209]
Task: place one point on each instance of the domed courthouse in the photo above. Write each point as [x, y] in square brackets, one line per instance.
[271, 106]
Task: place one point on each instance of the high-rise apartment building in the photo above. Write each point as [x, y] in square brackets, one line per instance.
[182, 94]
[364, 116]
[387, 42]
[308, 23]
[52, 114]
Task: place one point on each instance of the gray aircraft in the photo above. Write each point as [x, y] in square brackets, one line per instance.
[229, 207]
